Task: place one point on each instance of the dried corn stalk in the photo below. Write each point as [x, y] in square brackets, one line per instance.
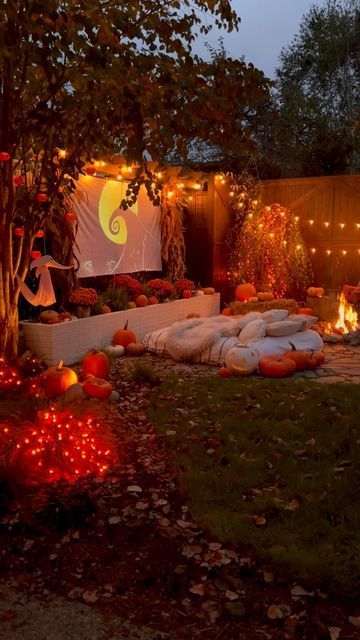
[172, 232]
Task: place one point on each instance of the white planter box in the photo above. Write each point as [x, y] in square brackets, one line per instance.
[70, 341]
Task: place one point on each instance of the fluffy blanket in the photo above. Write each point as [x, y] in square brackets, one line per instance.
[187, 339]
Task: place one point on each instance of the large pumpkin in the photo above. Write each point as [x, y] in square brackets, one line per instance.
[242, 360]
[315, 292]
[306, 311]
[300, 357]
[57, 379]
[244, 291]
[276, 366]
[97, 388]
[96, 363]
[124, 336]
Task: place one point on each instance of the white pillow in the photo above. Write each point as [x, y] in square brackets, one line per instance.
[275, 315]
[309, 320]
[242, 321]
[254, 330]
[283, 328]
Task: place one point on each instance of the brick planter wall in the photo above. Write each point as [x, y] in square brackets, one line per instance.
[70, 341]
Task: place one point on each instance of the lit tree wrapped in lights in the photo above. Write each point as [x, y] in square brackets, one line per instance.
[245, 202]
[271, 253]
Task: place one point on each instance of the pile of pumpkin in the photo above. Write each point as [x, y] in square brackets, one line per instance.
[243, 360]
[95, 369]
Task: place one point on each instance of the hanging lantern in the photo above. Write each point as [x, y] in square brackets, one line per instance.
[4, 156]
[19, 181]
[19, 232]
[39, 234]
[70, 216]
[36, 254]
[41, 197]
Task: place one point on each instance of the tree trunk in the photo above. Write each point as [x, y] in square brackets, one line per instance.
[9, 332]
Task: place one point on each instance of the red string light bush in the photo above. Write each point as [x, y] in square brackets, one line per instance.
[61, 446]
[11, 379]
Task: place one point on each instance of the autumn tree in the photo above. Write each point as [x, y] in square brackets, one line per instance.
[86, 79]
[316, 128]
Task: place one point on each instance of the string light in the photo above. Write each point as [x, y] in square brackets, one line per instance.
[344, 252]
[341, 225]
[326, 224]
[328, 252]
[313, 250]
[358, 225]
[311, 222]
[62, 153]
[296, 218]
[231, 194]
[197, 185]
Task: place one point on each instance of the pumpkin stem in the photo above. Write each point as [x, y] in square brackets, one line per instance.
[59, 365]
[293, 348]
[126, 324]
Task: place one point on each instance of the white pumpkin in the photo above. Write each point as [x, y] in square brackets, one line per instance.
[242, 360]
[115, 350]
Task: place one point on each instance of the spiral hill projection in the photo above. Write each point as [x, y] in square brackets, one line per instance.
[112, 219]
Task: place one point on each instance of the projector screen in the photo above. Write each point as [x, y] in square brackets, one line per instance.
[109, 239]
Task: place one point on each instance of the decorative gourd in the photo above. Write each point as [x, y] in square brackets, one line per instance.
[315, 359]
[131, 305]
[124, 336]
[224, 372]
[105, 309]
[276, 366]
[265, 296]
[227, 311]
[186, 294]
[96, 363]
[49, 317]
[65, 316]
[306, 311]
[315, 292]
[135, 349]
[97, 388]
[115, 351]
[57, 379]
[209, 291]
[253, 299]
[300, 357]
[242, 360]
[244, 291]
[153, 300]
[141, 300]
[193, 315]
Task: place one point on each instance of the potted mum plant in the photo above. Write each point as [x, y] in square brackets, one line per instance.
[83, 299]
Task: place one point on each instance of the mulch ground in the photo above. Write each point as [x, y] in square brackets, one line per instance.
[132, 549]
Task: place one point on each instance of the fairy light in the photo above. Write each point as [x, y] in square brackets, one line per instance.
[358, 225]
[190, 198]
[231, 194]
[341, 225]
[170, 194]
[58, 449]
[10, 378]
[180, 185]
[119, 176]
[197, 185]
[328, 252]
[311, 222]
[296, 218]
[298, 247]
[313, 250]
[344, 252]
[62, 153]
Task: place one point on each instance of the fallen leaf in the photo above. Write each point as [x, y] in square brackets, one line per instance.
[183, 524]
[134, 489]
[236, 609]
[90, 597]
[278, 611]
[197, 589]
[231, 595]
[334, 632]
[114, 519]
[298, 591]
[354, 620]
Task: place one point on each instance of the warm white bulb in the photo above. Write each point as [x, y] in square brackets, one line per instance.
[342, 225]
[328, 251]
[313, 250]
[326, 224]
[311, 221]
[296, 218]
[344, 252]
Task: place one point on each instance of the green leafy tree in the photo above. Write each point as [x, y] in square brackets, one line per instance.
[316, 129]
[86, 79]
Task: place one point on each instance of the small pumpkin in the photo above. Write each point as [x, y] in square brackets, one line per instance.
[186, 294]
[141, 300]
[49, 317]
[96, 363]
[124, 336]
[265, 296]
[57, 379]
[209, 291]
[227, 311]
[131, 305]
[298, 356]
[306, 311]
[115, 351]
[65, 316]
[153, 300]
[242, 360]
[253, 299]
[244, 291]
[135, 349]
[315, 292]
[97, 388]
[193, 315]
[315, 359]
[224, 372]
[276, 366]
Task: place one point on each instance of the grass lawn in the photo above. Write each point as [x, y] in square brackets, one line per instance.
[271, 464]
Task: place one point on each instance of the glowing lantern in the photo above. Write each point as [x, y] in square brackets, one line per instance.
[39, 234]
[41, 197]
[36, 254]
[19, 232]
[19, 181]
[4, 156]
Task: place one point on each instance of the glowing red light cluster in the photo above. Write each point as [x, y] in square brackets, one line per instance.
[61, 446]
[9, 377]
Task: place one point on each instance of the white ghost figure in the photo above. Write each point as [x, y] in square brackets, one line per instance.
[45, 295]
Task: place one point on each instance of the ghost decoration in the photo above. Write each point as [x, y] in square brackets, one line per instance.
[45, 295]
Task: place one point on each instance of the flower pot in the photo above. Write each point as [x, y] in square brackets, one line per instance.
[82, 311]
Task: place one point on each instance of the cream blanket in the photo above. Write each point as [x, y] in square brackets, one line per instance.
[187, 339]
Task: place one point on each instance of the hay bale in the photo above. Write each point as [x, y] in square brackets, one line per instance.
[241, 308]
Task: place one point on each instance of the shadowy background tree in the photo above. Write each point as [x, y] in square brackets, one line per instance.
[86, 79]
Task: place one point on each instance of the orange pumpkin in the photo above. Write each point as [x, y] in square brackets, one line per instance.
[209, 291]
[227, 312]
[49, 317]
[224, 372]
[315, 292]
[253, 299]
[186, 294]
[97, 388]
[315, 359]
[131, 305]
[124, 336]
[306, 311]
[105, 309]
[276, 366]
[244, 291]
[57, 379]
[153, 300]
[135, 349]
[96, 363]
[141, 300]
[300, 357]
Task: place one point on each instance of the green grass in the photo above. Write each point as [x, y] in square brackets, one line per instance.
[285, 451]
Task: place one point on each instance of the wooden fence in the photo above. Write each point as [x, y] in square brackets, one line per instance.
[329, 217]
